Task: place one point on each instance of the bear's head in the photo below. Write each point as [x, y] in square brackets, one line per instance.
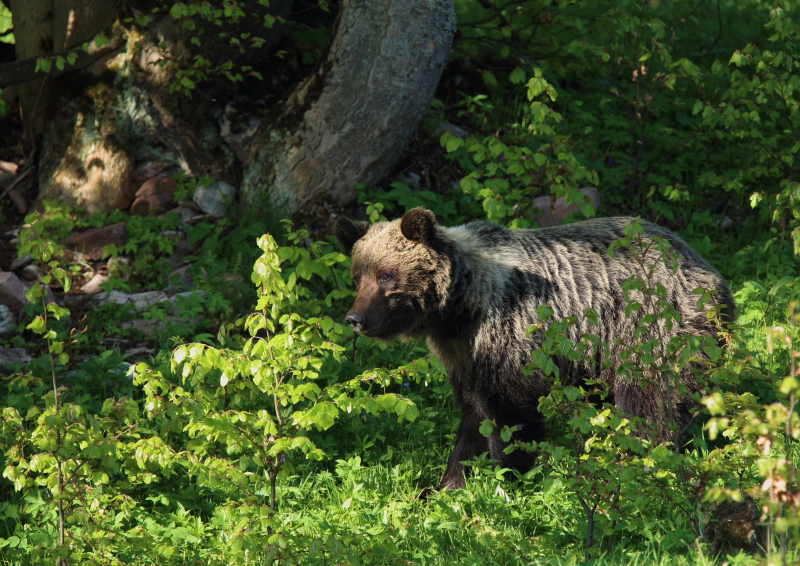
[398, 270]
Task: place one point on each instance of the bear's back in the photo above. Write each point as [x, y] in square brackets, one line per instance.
[513, 272]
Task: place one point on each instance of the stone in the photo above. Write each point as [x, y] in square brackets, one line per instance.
[145, 300]
[456, 131]
[12, 292]
[93, 286]
[149, 169]
[555, 212]
[411, 179]
[152, 326]
[6, 179]
[238, 129]
[190, 204]
[7, 321]
[214, 199]
[154, 196]
[8, 167]
[724, 222]
[175, 300]
[172, 235]
[18, 200]
[119, 266]
[114, 296]
[31, 273]
[85, 160]
[90, 243]
[20, 262]
[139, 302]
[10, 356]
[187, 214]
[183, 278]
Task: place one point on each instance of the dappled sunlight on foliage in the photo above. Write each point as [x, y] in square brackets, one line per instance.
[266, 431]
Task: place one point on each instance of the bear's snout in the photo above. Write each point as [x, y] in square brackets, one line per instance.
[355, 320]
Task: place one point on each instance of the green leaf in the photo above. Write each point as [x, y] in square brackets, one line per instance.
[38, 325]
[517, 76]
[43, 64]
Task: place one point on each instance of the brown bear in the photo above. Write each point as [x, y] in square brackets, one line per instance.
[473, 291]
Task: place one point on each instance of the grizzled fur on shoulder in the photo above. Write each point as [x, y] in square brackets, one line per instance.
[473, 291]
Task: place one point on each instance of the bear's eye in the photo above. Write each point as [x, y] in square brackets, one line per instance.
[384, 278]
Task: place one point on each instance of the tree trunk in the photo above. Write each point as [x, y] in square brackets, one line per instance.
[43, 27]
[348, 122]
[93, 127]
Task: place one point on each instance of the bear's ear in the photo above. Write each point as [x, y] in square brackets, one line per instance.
[418, 225]
[348, 232]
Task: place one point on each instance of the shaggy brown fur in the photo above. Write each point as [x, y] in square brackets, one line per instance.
[473, 291]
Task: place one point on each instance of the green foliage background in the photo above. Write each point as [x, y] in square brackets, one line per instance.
[269, 433]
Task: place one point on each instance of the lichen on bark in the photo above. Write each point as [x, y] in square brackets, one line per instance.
[349, 121]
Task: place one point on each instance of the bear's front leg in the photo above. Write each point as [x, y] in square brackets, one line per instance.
[469, 444]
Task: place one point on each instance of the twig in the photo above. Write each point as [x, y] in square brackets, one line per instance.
[24, 71]
[29, 160]
[719, 26]
[17, 181]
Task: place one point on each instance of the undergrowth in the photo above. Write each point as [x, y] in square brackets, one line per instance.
[267, 432]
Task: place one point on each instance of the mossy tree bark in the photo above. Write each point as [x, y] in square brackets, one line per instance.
[43, 27]
[348, 122]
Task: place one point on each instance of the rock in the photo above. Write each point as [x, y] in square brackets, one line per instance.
[114, 296]
[187, 214]
[119, 266]
[10, 356]
[139, 302]
[8, 167]
[7, 320]
[92, 287]
[411, 179]
[182, 278]
[149, 169]
[12, 236]
[172, 235]
[12, 292]
[31, 273]
[138, 351]
[6, 179]
[555, 212]
[26, 259]
[152, 326]
[154, 196]
[724, 222]
[175, 300]
[85, 160]
[18, 200]
[214, 198]
[457, 131]
[734, 526]
[190, 204]
[90, 243]
[145, 300]
[238, 128]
